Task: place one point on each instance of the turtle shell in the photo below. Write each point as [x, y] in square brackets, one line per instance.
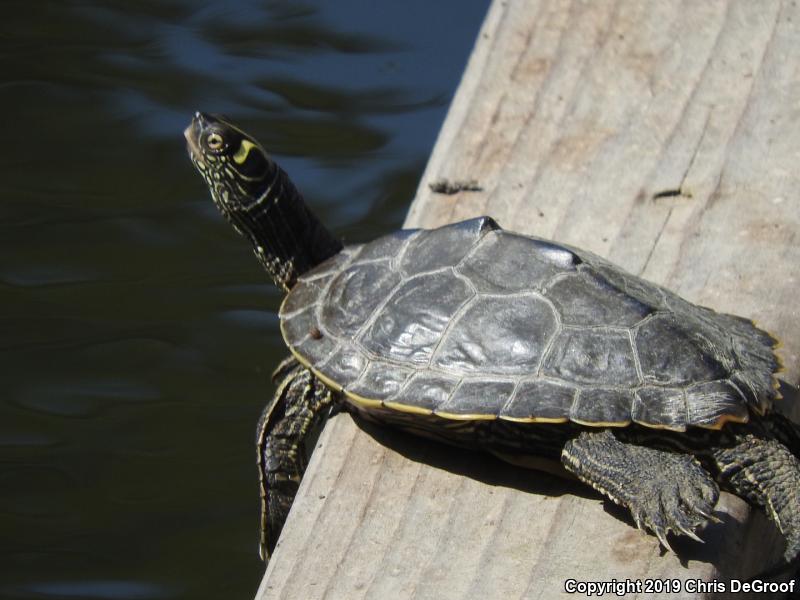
[469, 321]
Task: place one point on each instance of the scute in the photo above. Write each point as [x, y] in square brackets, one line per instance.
[475, 398]
[299, 326]
[507, 262]
[540, 400]
[671, 355]
[505, 335]
[354, 294]
[411, 324]
[387, 247]
[444, 247]
[661, 406]
[306, 295]
[471, 322]
[426, 391]
[346, 363]
[602, 406]
[331, 266]
[588, 300]
[380, 381]
[710, 402]
[603, 356]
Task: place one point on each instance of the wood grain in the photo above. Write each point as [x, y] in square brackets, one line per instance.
[662, 135]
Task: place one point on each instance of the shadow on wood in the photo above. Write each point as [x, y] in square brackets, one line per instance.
[492, 471]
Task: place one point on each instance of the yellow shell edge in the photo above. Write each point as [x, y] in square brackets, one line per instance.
[410, 408]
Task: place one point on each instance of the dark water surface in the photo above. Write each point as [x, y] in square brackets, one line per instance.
[138, 330]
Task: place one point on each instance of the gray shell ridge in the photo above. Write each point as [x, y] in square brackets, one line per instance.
[469, 321]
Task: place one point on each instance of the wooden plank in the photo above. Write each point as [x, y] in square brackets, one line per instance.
[663, 135]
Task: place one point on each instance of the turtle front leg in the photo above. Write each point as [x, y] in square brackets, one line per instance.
[765, 473]
[665, 491]
[285, 440]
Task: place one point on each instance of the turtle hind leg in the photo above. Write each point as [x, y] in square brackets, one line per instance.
[783, 429]
[766, 473]
[285, 437]
[665, 491]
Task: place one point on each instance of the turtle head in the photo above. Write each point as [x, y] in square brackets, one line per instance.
[258, 198]
[233, 165]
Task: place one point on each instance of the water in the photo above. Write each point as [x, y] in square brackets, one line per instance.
[138, 330]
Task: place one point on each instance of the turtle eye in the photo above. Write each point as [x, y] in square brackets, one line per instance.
[214, 141]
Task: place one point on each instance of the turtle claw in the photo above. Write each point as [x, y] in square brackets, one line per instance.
[690, 534]
[666, 492]
[679, 509]
[661, 531]
[708, 515]
[662, 537]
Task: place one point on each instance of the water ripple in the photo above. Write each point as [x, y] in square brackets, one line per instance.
[100, 588]
[86, 399]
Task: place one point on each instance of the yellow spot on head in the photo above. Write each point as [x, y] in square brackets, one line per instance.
[243, 151]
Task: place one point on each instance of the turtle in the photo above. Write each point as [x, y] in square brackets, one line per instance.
[488, 339]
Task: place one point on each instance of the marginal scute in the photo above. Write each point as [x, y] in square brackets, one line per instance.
[304, 294]
[426, 391]
[318, 347]
[757, 341]
[710, 402]
[540, 399]
[380, 381]
[753, 354]
[660, 407]
[444, 247]
[477, 398]
[757, 392]
[346, 364]
[507, 262]
[299, 326]
[592, 356]
[498, 335]
[764, 380]
[410, 325]
[596, 405]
